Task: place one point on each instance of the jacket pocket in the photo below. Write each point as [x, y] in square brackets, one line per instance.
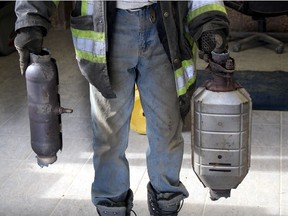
[82, 22]
[91, 53]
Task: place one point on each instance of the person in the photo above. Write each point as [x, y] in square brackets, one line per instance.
[119, 44]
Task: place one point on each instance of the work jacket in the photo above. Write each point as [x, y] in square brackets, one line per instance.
[180, 26]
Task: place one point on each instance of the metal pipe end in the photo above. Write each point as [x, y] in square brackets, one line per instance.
[43, 56]
[62, 110]
[45, 161]
[216, 194]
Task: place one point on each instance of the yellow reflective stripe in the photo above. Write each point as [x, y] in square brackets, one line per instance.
[84, 6]
[100, 36]
[206, 8]
[87, 7]
[56, 3]
[90, 57]
[185, 76]
[185, 64]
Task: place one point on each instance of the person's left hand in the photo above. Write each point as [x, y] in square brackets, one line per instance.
[28, 40]
[212, 41]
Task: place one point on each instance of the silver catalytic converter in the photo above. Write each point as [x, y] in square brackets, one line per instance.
[221, 129]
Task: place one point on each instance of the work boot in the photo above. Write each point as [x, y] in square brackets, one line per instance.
[163, 204]
[110, 208]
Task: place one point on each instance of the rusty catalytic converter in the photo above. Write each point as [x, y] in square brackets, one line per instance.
[44, 107]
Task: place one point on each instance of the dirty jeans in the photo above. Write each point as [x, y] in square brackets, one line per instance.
[136, 56]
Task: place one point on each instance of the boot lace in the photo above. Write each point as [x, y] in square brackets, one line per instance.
[157, 211]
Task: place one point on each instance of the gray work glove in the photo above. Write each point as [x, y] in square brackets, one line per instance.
[212, 41]
[28, 40]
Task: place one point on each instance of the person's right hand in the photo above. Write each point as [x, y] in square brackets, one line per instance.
[28, 40]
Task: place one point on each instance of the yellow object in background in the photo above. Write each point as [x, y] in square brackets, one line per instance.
[138, 120]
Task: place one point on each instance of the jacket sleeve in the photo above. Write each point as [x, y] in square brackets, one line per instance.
[205, 16]
[34, 13]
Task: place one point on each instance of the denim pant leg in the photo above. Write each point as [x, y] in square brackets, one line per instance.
[111, 118]
[156, 84]
[136, 54]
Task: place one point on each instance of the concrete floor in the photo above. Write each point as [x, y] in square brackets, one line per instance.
[64, 187]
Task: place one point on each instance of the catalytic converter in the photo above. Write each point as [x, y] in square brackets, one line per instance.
[221, 129]
[44, 107]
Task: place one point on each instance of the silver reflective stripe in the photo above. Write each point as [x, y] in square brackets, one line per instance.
[188, 73]
[89, 45]
[193, 5]
[185, 77]
[90, 7]
[180, 82]
[197, 8]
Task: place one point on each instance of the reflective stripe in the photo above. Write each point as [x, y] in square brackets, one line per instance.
[87, 7]
[56, 3]
[204, 8]
[89, 45]
[197, 4]
[185, 76]
[100, 36]
[90, 57]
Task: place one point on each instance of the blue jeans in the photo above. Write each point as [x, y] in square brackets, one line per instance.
[136, 56]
